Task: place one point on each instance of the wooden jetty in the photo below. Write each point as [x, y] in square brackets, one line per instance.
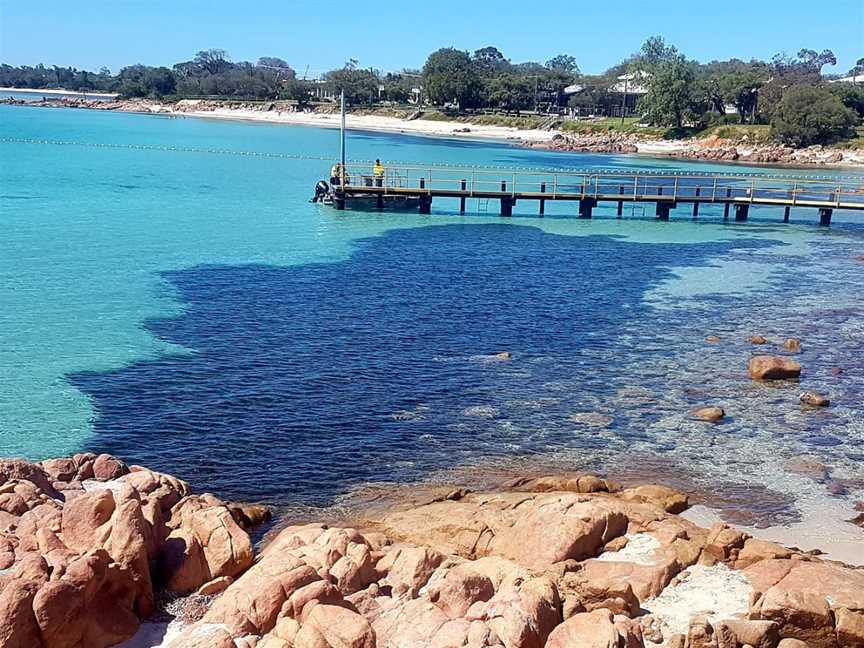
[419, 186]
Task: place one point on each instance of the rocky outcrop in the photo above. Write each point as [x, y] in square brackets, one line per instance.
[590, 143]
[819, 603]
[708, 148]
[87, 540]
[546, 562]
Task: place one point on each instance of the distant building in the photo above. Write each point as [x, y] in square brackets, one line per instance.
[323, 90]
[624, 94]
[856, 78]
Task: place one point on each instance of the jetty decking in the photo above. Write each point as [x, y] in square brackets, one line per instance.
[421, 185]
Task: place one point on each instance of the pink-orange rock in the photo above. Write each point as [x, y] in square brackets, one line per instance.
[203, 635]
[302, 600]
[646, 581]
[182, 567]
[792, 344]
[86, 520]
[805, 601]
[459, 588]
[755, 550]
[668, 499]
[587, 630]
[732, 633]
[414, 623]
[521, 612]
[92, 604]
[763, 367]
[215, 586]
[409, 568]
[11, 469]
[340, 627]
[130, 545]
[19, 628]
[849, 627]
[722, 541]
[60, 469]
[563, 483]
[206, 543]
[252, 604]
[792, 643]
[613, 594]
[106, 467]
[164, 489]
[711, 414]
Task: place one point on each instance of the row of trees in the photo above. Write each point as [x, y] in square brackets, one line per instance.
[790, 93]
[209, 73]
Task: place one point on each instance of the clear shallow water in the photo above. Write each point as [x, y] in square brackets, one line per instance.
[193, 312]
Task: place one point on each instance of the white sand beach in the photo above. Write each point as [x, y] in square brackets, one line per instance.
[61, 91]
[372, 123]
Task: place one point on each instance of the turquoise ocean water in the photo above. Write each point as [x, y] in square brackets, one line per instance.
[137, 281]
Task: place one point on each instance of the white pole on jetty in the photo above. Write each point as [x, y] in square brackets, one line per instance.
[342, 141]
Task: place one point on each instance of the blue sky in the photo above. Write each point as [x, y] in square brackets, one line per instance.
[389, 35]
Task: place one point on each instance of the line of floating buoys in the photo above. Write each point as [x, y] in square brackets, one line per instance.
[439, 165]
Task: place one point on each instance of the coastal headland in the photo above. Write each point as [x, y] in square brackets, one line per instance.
[97, 553]
[710, 148]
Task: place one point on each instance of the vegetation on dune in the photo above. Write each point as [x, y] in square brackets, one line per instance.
[810, 115]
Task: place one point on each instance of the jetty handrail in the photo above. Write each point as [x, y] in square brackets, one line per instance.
[664, 187]
[519, 175]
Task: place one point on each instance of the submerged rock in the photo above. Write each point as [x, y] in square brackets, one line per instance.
[792, 344]
[764, 367]
[711, 414]
[758, 339]
[814, 399]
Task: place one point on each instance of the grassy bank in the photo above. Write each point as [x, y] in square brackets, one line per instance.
[522, 122]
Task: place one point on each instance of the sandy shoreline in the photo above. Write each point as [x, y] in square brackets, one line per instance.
[377, 123]
[60, 91]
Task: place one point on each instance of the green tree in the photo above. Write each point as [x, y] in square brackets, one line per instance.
[851, 94]
[274, 62]
[294, 89]
[671, 92]
[807, 115]
[653, 53]
[563, 63]
[144, 81]
[360, 86]
[511, 93]
[489, 61]
[398, 86]
[816, 60]
[212, 60]
[451, 76]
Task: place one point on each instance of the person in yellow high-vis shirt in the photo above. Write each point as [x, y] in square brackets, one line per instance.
[378, 172]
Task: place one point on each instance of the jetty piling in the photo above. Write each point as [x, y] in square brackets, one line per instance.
[421, 185]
